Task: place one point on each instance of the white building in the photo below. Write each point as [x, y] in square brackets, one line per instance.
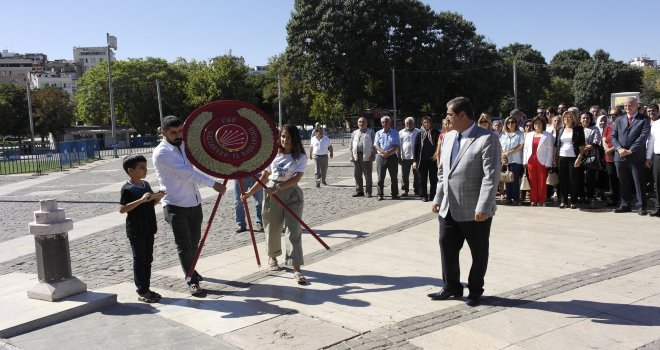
[258, 70]
[14, 68]
[88, 57]
[65, 82]
[643, 61]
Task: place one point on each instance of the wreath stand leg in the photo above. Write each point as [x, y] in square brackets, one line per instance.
[286, 207]
[249, 221]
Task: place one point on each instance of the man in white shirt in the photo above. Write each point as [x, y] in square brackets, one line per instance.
[319, 150]
[653, 154]
[182, 206]
[407, 156]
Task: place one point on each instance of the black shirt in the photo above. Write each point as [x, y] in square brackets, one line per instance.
[141, 220]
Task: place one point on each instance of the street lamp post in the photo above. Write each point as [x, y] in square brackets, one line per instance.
[112, 44]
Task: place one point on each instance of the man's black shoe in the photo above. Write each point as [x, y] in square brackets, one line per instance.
[622, 210]
[197, 291]
[395, 196]
[473, 300]
[380, 198]
[405, 193]
[655, 212]
[318, 185]
[359, 194]
[444, 293]
[424, 199]
[241, 229]
[369, 195]
[642, 212]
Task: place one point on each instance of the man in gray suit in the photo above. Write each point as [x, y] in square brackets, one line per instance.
[468, 175]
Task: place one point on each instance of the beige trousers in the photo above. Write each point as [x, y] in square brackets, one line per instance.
[274, 218]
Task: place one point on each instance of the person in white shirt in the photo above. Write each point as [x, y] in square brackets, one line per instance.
[653, 154]
[182, 206]
[283, 176]
[319, 150]
[406, 154]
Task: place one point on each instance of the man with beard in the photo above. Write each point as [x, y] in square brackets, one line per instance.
[182, 206]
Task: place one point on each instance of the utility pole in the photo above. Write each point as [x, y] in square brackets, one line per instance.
[394, 97]
[279, 100]
[160, 106]
[515, 86]
[112, 43]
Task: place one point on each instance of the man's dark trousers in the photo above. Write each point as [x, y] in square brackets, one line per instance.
[452, 236]
[187, 227]
[630, 177]
[391, 165]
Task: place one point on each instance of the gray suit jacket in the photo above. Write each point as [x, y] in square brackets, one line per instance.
[470, 185]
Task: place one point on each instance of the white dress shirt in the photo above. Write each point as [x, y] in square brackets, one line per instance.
[407, 138]
[177, 176]
[653, 142]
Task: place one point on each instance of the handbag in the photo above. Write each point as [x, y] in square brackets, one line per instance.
[593, 162]
[524, 183]
[506, 176]
[553, 179]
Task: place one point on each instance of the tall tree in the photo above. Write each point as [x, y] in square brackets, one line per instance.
[532, 74]
[53, 110]
[135, 96]
[651, 85]
[14, 118]
[596, 80]
[565, 62]
[224, 77]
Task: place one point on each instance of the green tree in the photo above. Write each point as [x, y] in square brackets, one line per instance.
[565, 62]
[596, 80]
[650, 92]
[296, 94]
[560, 90]
[14, 119]
[223, 78]
[135, 95]
[326, 108]
[532, 74]
[53, 110]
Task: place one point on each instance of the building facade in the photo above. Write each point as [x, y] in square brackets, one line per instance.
[87, 57]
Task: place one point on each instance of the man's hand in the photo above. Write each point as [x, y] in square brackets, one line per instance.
[623, 152]
[352, 159]
[414, 165]
[373, 158]
[435, 208]
[480, 217]
[648, 163]
[220, 188]
[158, 195]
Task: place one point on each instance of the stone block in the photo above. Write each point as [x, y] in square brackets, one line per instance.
[51, 229]
[57, 290]
[46, 217]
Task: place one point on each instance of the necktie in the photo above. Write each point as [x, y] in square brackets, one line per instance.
[455, 149]
[629, 120]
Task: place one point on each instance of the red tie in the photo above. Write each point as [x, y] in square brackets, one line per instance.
[629, 120]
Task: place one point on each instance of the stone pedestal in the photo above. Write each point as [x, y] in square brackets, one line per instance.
[50, 229]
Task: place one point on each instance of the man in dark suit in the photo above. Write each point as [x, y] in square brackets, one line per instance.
[468, 175]
[425, 145]
[629, 137]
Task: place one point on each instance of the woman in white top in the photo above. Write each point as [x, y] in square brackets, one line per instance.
[512, 141]
[570, 143]
[283, 176]
[538, 157]
[592, 143]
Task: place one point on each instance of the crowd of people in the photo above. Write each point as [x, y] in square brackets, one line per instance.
[577, 157]
[562, 156]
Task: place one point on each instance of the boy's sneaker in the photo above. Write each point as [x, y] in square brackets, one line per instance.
[196, 290]
[259, 228]
[241, 229]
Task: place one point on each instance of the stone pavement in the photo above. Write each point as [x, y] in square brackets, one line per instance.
[557, 278]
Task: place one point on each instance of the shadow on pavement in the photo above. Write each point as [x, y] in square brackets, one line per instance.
[599, 312]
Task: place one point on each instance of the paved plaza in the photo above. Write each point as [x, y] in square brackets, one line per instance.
[572, 279]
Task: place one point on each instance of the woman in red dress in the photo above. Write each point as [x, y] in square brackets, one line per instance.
[538, 158]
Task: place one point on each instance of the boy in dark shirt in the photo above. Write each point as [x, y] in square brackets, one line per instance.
[138, 200]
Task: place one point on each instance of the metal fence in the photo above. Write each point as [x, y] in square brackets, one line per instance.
[21, 159]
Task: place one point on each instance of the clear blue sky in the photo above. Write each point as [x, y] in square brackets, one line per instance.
[256, 30]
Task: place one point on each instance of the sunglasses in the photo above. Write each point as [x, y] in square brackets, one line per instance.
[511, 122]
[483, 122]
